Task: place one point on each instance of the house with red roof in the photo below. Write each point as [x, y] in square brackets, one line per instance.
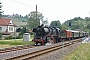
[7, 27]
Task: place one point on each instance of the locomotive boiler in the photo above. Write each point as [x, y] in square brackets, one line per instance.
[42, 35]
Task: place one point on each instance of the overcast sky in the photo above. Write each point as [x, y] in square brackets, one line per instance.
[61, 10]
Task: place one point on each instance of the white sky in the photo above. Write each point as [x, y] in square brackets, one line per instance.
[52, 9]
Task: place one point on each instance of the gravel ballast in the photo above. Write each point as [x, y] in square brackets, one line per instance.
[59, 54]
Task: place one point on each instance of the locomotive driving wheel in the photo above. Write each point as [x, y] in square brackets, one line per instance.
[51, 41]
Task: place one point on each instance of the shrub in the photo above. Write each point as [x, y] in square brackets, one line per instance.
[17, 37]
[31, 33]
[9, 37]
[6, 38]
[0, 35]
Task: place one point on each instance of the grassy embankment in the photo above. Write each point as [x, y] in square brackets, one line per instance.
[81, 53]
[13, 42]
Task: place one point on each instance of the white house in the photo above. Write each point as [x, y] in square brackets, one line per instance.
[7, 27]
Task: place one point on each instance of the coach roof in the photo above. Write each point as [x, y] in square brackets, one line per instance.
[72, 31]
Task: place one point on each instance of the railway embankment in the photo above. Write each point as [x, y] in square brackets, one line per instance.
[49, 52]
[81, 53]
[59, 54]
[62, 53]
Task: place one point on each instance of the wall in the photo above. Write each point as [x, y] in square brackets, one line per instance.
[3, 28]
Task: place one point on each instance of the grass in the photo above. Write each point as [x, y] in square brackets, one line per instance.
[9, 43]
[14, 42]
[81, 53]
[5, 46]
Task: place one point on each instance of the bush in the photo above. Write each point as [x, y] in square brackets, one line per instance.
[17, 37]
[0, 35]
[9, 37]
[6, 38]
[31, 33]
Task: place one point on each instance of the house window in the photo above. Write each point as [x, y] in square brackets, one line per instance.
[0, 28]
[10, 28]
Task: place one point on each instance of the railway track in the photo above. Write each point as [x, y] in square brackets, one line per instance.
[21, 47]
[40, 51]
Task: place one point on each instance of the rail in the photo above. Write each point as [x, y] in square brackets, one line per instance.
[42, 51]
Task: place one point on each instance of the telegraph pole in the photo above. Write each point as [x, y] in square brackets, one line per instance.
[36, 12]
[69, 30]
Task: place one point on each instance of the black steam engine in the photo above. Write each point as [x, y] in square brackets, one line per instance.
[42, 35]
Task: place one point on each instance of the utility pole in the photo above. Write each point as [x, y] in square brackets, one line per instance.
[36, 12]
[69, 30]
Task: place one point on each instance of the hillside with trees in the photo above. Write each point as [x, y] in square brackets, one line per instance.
[56, 24]
[78, 23]
[17, 19]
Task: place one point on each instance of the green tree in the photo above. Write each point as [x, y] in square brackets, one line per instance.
[1, 9]
[55, 24]
[23, 30]
[64, 27]
[33, 21]
[87, 18]
[88, 26]
[77, 18]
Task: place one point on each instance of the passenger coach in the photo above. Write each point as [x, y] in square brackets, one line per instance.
[71, 34]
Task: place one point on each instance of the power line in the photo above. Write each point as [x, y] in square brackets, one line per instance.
[22, 3]
[25, 5]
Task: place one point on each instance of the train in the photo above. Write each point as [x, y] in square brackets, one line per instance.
[44, 34]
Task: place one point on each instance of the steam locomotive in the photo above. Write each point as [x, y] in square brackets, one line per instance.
[43, 35]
